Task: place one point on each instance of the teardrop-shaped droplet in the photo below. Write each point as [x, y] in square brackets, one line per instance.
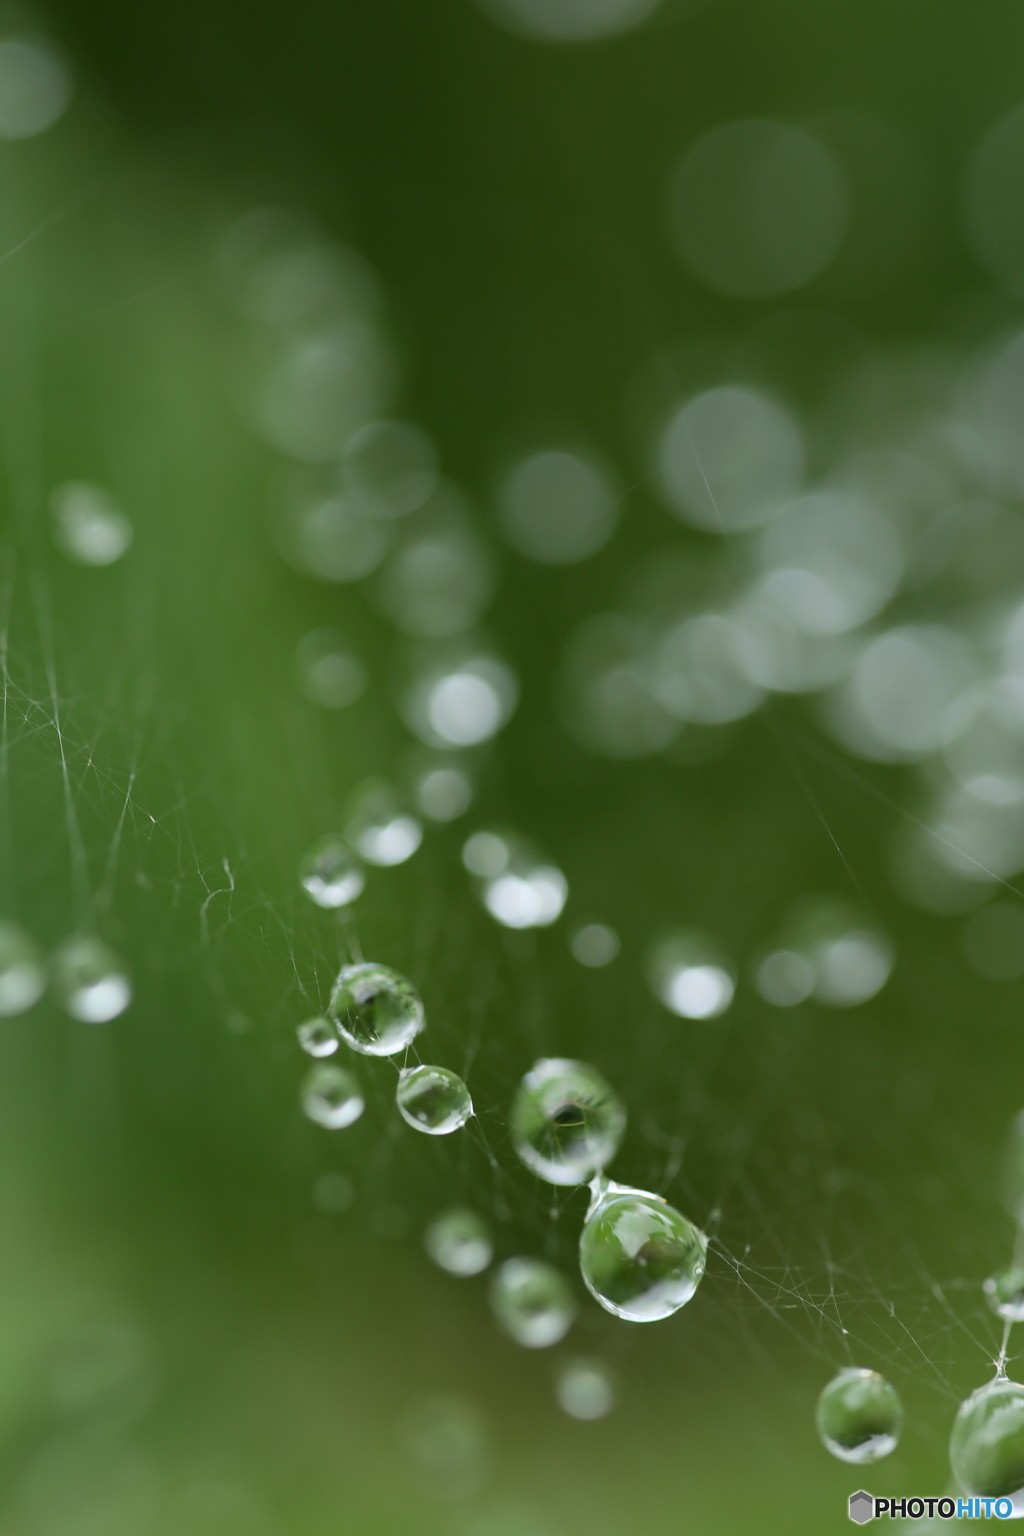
[566, 1121]
[22, 977]
[433, 1100]
[330, 873]
[376, 1010]
[459, 1242]
[1005, 1294]
[318, 1037]
[332, 1097]
[639, 1257]
[89, 980]
[859, 1416]
[532, 1302]
[986, 1448]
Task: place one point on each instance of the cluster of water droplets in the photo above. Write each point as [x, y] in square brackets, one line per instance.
[860, 1417]
[85, 977]
[376, 1012]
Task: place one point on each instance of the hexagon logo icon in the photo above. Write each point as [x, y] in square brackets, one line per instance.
[862, 1507]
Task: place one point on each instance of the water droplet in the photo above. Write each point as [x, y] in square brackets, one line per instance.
[459, 698]
[785, 978]
[447, 1439]
[86, 524]
[758, 209]
[443, 791]
[318, 1037]
[585, 1390]
[380, 825]
[594, 945]
[333, 1193]
[639, 1256]
[515, 884]
[22, 976]
[566, 1121]
[433, 1100]
[331, 538]
[1004, 1293]
[328, 674]
[687, 972]
[859, 1416]
[830, 950]
[330, 873]
[459, 1242]
[89, 981]
[532, 1302]
[558, 507]
[441, 578]
[986, 1447]
[332, 1097]
[377, 1011]
[391, 468]
[35, 87]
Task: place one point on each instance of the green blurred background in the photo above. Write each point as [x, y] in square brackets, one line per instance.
[271, 1358]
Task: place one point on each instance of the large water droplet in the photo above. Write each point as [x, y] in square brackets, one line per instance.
[318, 1037]
[1005, 1293]
[459, 1242]
[859, 1416]
[585, 1390]
[986, 1448]
[433, 1100]
[639, 1257]
[376, 1010]
[566, 1121]
[331, 874]
[22, 977]
[89, 980]
[532, 1302]
[332, 1097]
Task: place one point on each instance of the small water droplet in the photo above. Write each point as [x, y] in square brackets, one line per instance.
[447, 1440]
[377, 1011]
[22, 976]
[639, 1256]
[566, 1121]
[585, 1390]
[514, 882]
[87, 525]
[331, 874]
[594, 945]
[333, 1193]
[986, 1447]
[1004, 1293]
[380, 826]
[458, 1241]
[331, 1097]
[532, 1302]
[318, 1037]
[89, 981]
[327, 672]
[433, 1100]
[443, 790]
[859, 1416]
[687, 972]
